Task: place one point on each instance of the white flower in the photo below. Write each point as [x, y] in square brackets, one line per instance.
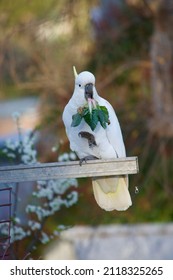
[63, 157]
[72, 198]
[72, 156]
[38, 210]
[55, 204]
[17, 233]
[62, 185]
[56, 233]
[61, 227]
[16, 116]
[4, 228]
[34, 225]
[41, 183]
[45, 192]
[11, 155]
[10, 145]
[25, 158]
[30, 208]
[54, 149]
[17, 220]
[45, 238]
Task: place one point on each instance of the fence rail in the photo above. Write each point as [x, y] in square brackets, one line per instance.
[71, 169]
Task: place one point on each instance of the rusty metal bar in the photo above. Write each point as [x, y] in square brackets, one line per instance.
[5, 239]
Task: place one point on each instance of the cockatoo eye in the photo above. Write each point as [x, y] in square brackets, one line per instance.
[80, 85]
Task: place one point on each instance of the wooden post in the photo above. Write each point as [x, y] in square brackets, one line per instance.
[71, 169]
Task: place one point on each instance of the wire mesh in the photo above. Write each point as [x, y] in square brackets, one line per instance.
[5, 222]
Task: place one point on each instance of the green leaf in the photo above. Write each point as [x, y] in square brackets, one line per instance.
[98, 114]
[91, 119]
[105, 111]
[95, 118]
[76, 119]
[101, 117]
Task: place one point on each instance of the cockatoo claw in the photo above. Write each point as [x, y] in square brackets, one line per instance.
[82, 160]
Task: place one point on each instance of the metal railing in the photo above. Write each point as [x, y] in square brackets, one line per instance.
[5, 209]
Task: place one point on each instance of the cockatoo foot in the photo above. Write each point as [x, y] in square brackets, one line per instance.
[86, 158]
[90, 137]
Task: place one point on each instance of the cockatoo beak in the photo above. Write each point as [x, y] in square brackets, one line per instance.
[89, 96]
[75, 72]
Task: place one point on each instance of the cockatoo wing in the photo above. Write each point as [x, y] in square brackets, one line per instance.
[112, 192]
[113, 130]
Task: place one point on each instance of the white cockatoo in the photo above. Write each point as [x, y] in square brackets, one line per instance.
[101, 143]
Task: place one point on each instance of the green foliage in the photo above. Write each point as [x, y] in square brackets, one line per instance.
[26, 10]
[98, 114]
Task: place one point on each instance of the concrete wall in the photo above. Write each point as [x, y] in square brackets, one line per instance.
[141, 241]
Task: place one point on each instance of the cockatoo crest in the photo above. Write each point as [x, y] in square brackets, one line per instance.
[75, 72]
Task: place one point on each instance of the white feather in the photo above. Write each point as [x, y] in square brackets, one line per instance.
[110, 193]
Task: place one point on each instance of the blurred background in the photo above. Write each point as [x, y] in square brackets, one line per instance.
[128, 46]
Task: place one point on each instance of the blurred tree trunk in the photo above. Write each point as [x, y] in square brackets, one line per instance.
[161, 57]
[161, 122]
